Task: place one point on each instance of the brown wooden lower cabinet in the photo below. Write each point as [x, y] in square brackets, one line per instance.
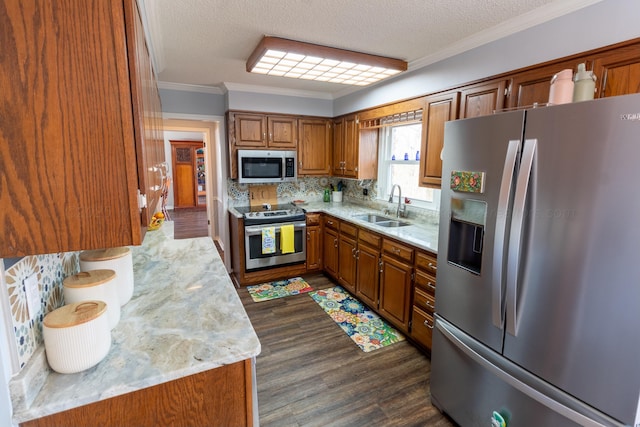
[219, 397]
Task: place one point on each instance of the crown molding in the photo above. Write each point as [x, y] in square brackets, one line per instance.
[505, 29]
[190, 88]
[269, 90]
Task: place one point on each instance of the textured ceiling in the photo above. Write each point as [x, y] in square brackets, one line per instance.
[207, 42]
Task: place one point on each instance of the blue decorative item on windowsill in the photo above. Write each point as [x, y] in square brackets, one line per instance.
[406, 156]
[418, 155]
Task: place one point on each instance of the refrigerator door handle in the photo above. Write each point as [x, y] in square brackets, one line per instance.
[521, 386]
[497, 300]
[515, 239]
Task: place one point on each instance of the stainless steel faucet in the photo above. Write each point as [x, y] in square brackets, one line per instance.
[400, 209]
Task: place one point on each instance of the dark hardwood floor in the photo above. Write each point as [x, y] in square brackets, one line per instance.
[189, 223]
[310, 373]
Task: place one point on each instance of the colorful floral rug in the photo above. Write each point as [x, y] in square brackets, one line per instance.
[278, 289]
[364, 327]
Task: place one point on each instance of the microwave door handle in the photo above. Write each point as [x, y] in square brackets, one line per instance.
[515, 239]
[497, 300]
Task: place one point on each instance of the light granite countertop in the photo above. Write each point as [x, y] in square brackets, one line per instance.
[422, 233]
[185, 317]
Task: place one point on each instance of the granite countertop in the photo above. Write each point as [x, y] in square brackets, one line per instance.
[185, 317]
[422, 233]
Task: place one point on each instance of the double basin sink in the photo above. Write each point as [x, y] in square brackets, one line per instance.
[381, 220]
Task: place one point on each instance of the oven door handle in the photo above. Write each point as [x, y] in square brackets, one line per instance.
[257, 229]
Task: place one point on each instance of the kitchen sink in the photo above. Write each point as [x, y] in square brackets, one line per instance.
[381, 220]
[392, 223]
[374, 218]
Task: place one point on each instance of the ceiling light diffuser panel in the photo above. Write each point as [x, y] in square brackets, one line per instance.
[288, 58]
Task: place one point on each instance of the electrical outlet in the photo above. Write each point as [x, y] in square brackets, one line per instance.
[33, 295]
[365, 192]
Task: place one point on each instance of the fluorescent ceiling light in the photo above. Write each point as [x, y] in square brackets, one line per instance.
[275, 56]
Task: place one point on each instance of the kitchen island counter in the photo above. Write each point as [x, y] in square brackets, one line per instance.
[185, 318]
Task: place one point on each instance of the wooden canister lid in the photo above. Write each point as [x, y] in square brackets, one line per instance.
[89, 278]
[74, 314]
[104, 254]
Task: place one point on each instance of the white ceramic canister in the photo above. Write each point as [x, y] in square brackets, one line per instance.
[97, 285]
[116, 259]
[561, 91]
[76, 336]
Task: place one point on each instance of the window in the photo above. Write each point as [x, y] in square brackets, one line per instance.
[400, 139]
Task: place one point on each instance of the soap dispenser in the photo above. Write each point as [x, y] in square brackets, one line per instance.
[584, 84]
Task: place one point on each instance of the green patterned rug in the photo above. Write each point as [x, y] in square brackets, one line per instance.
[278, 289]
[364, 327]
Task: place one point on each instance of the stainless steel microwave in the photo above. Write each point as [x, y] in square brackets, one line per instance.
[264, 166]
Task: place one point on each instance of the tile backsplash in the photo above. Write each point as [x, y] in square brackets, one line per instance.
[51, 270]
[309, 189]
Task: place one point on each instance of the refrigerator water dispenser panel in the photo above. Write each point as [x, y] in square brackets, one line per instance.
[466, 234]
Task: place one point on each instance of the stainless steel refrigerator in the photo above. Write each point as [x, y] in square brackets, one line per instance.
[538, 286]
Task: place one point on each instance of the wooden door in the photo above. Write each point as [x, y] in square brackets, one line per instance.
[314, 147]
[314, 248]
[367, 275]
[619, 72]
[184, 173]
[347, 263]
[437, 111]
[338, 147]
[330, 251]
[250, 130]
[482, 99]
[283, 132]
[395, 288]
[350, 147]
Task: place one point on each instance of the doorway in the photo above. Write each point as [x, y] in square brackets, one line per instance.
[189, 177]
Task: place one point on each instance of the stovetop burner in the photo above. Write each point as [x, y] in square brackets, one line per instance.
[271, 213]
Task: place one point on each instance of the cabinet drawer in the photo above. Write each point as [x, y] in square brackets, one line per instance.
[422, 327]
[427, 262]
[397, 250]
[313, 219]
[369, 238]
[426, 282]
[348, 229]
[331, 222]
[423, 300]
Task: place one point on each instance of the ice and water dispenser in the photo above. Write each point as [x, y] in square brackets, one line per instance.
[466, 233]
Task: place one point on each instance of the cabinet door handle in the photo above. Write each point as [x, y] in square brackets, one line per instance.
[264, 136]
[428, 325]
[308, 236]
[335, 243]
[431, 286]
[330, 222]
[270, 136]
[358, 254]
[395, 251]
[428, 304]
[433, 266]
[381, 264]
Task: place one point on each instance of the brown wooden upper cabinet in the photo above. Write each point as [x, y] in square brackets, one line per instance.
[265, 131]
[355, 151]
[618, 72]
[482, 99]
[314, 146]
[438, 109]
[81, 133]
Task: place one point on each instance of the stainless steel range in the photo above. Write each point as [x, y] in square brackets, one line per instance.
[262, 221]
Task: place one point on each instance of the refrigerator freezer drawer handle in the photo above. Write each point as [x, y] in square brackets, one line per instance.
[516, 383]
[497, 308]
[515, 239]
